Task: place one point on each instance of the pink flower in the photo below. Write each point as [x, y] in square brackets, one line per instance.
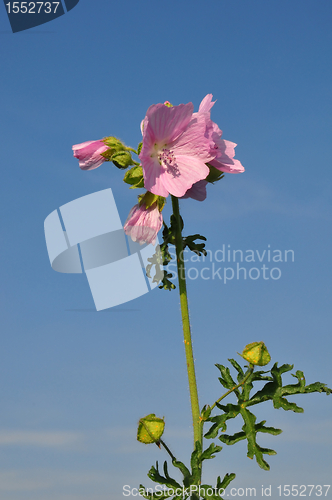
[224, 150]
[197, 191]
[89, 154]
[143, 224]
[175, 149]
[225, 161]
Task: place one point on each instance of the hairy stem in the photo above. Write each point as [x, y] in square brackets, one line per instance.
[197, 422]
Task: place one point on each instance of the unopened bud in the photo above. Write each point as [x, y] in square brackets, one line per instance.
[256, 353]
[150, 429]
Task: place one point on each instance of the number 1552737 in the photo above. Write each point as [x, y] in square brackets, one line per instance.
[32, 7]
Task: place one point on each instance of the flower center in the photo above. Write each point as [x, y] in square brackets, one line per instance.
[167, 159]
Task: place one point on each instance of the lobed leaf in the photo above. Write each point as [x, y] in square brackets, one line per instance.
[219, 421]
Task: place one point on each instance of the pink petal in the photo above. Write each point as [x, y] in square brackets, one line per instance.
[206, 104]
[142, 224]
[225, 160]
[194, 141]
[197, 191]
[166, 124]
[152, 172]
[190, 170]
[89, 154]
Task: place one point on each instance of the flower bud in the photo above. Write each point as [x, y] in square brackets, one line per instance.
[143, 224]
[117, 153]
[90, 154]
[150, 429]
[256, 353]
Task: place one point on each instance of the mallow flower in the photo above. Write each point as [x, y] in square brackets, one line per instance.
[175, 149]
[89, 154]
[224, 150]
[143, 224]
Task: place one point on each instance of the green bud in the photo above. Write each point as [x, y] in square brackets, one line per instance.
[114, 144]
[206, 412]
[150, 429]
[117, 153]
[122, 159]
[256, 353]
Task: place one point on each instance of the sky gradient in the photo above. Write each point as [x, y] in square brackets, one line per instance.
[75, 382]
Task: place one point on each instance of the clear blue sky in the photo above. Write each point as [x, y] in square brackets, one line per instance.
[74, 382]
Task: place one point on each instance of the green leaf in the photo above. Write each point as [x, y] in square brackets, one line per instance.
[139, 148]
[197, 248]
[275, 391]
[205, 490]
[238, 368]
[168, 238]
[249, 432]
[166, 284]
[226, 379]
[318, 387]
[155, 476]
[210, 452]
[185, 472]
[226, 481]
[219, 421]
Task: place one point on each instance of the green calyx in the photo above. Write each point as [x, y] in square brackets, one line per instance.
[134, 177]
[256, 353]
[150, 429]
[117, 153]
[214, 174]
[149, 199]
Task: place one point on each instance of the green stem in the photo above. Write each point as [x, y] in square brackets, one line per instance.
[161, 442]
[243, 381]
[132, 150]
[197, 422]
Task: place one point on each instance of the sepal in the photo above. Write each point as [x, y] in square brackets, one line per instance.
[214, 174]
[134, 177]
[149, 199]
[117, 153]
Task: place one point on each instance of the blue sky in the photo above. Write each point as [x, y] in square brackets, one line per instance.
[74, 382]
